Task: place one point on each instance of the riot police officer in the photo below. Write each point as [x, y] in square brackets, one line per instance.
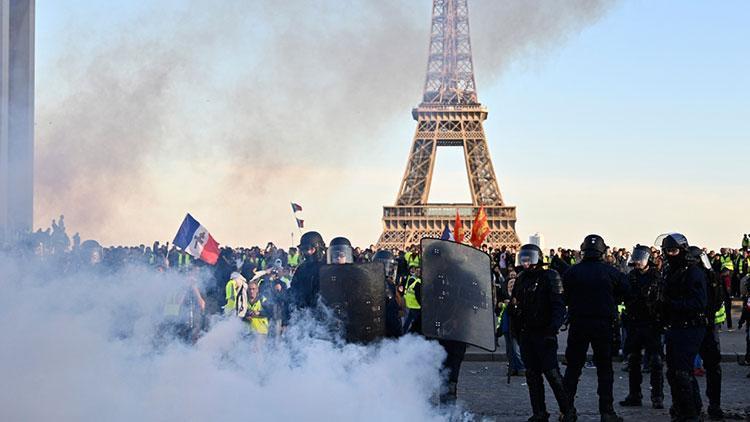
[340, 251]
[537, 312]
[305, 285]
[90, 254]
[393, 297]
[685, 315]
[710, 348]
[455, 350]
[643, 325]
[591, 290]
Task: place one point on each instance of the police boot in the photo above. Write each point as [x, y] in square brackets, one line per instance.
[449, 396]
[683, 397]
[567, 412]
[715, 413]
[632, 400]
[713, 391]
[609, 415]
[536, 396]
[657, 387]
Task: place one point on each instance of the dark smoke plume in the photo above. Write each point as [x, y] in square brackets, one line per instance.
[243, 101]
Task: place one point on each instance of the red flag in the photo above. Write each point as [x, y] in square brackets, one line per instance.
[296, 207]
[479, 229]
[458, 229]
[300, 223]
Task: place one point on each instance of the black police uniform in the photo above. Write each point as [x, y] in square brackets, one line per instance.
[710, 352]
[591, 290]
[644, 328]
[537, 312]
[685, 305]
[305, 285]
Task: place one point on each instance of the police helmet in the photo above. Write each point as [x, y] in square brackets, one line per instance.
[672, 241]
[640, 257]
[311, 240]
[340, 251]
[529, 254]
[698, 256]
[593, 246]
[91, 252]
[389, 262]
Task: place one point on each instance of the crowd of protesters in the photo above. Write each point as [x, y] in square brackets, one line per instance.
[267, 271]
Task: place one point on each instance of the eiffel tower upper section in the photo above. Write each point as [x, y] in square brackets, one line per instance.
[450, 70]
[449, 115]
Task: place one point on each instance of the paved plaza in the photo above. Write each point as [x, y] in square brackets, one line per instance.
[483, 391]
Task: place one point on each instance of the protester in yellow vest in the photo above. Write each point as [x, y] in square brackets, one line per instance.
[726, 260]
[412, 289]
[293, 258]
[233, 288]
[721, 316]
[255, 314]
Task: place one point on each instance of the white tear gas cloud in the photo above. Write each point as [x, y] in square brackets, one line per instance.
[259, 97]
[82, 347]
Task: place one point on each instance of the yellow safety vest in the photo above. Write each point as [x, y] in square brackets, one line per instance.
[412, 260]
[721, 316]
[743, 264]
[231, 297]
[500, 317]
[726, 262]
[183, 259]
[173, 306]
[293, 260]
[409, 296]
[258, 324]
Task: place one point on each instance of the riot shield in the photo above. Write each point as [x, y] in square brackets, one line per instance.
[457, 299]
[356, 295]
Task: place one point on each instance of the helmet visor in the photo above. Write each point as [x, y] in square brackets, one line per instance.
[639, 258]
[671, 241]
[527, 256]
[340, 254]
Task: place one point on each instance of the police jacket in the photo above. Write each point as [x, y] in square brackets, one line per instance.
[643, 298]
[305, 286]
[537, 302]
[685, 295]
[593, 289]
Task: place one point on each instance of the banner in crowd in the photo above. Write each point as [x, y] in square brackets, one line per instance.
[480, 228]
[458, 229]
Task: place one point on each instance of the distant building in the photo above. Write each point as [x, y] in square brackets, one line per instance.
[16, 117]
[537, 239]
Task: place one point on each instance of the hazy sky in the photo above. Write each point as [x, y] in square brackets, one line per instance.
[626, 118]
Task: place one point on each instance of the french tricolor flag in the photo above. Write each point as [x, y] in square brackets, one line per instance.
[196, 240]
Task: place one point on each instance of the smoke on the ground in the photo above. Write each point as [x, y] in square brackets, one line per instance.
[195, 106]
[87, 347]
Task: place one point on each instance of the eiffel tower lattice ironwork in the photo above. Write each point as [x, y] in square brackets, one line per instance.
[449, 116]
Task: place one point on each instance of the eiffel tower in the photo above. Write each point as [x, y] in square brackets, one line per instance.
[449, 116]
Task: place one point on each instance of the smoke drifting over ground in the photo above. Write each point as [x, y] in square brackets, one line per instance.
[81, 347]
[189, 105]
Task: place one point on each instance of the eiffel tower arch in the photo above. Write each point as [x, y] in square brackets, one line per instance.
[449, 116]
